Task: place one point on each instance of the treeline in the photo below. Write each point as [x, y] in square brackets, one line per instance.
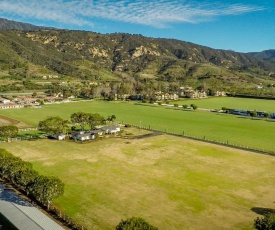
[44, 189]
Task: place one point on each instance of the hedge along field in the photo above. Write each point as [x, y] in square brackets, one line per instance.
[173, 183]
[244, 131]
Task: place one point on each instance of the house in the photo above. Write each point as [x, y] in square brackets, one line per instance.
[189, 92]
[111, 129]
[4, 101]
[59, 137]
[98, 132]
[83, 135]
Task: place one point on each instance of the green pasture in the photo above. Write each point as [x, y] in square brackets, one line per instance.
[243, 131]
[171, 182]
[231, 102]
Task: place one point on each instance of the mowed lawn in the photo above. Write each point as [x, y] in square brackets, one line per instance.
[242, 131]
[171, 182]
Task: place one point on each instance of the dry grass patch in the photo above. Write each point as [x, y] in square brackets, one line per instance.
[172, 182]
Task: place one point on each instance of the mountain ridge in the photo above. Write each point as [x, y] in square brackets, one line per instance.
[124, 55]
[6, 24]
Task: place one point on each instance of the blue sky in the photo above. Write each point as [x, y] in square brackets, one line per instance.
[240, 25]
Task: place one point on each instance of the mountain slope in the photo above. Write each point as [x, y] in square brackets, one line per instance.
[264, 55]
[88, 55]
[6, 24]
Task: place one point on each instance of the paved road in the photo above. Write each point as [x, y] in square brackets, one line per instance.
[22, 214]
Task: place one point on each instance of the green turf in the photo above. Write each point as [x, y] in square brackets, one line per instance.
[171, 182]
[242, 131]
[232, 102]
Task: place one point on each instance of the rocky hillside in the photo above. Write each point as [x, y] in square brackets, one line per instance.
[89, 55]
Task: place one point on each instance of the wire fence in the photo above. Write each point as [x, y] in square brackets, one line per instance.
[205, 139]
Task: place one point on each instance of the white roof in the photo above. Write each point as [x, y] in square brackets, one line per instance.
[22, 214]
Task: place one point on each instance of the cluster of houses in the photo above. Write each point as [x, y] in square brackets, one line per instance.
[184, 92]
[84, 135]
[45, 77]
[27, 101]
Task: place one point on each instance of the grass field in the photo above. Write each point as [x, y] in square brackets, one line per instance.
[242, 131]
[232, 102]
[171, 182]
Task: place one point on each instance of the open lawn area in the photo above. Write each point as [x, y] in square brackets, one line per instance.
[243, 131]
[171, 182]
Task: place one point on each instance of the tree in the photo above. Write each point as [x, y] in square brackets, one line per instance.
[111, 118]
[46, 189]
[253, 113]
[80, 118]
[8, 131]
[134, 223]
[53, 125]
[34, 94]
[94, 119]
[266, 115]
[265, 223]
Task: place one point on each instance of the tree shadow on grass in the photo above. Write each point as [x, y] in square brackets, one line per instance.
[263, 211]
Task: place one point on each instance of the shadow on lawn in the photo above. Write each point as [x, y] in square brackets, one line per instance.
[263, 211]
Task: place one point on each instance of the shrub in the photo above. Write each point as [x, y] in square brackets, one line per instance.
[134, 223]
[265, 223]
[194, 106]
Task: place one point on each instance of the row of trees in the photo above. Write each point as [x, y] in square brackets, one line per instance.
[42, 188]
[57, 125]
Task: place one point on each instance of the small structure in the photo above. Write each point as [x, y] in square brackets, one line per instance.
[111, 129]
[98, 132]
[83, 135]
[4, 101]
[59, 137]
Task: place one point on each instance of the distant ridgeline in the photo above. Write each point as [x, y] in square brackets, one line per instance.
[30, 52]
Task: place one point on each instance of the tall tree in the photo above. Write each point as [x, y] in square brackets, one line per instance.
[80, 118]
[111, 118]
[54, 125]
[95, 119]
[46, 189]
[8, 131]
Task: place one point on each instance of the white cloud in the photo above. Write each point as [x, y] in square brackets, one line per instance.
[156, 13]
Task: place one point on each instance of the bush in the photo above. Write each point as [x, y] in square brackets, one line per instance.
[265, 223]
[134, 223]
[194, 106]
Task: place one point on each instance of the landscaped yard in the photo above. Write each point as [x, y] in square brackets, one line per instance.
[171, 182]
[244, 131]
